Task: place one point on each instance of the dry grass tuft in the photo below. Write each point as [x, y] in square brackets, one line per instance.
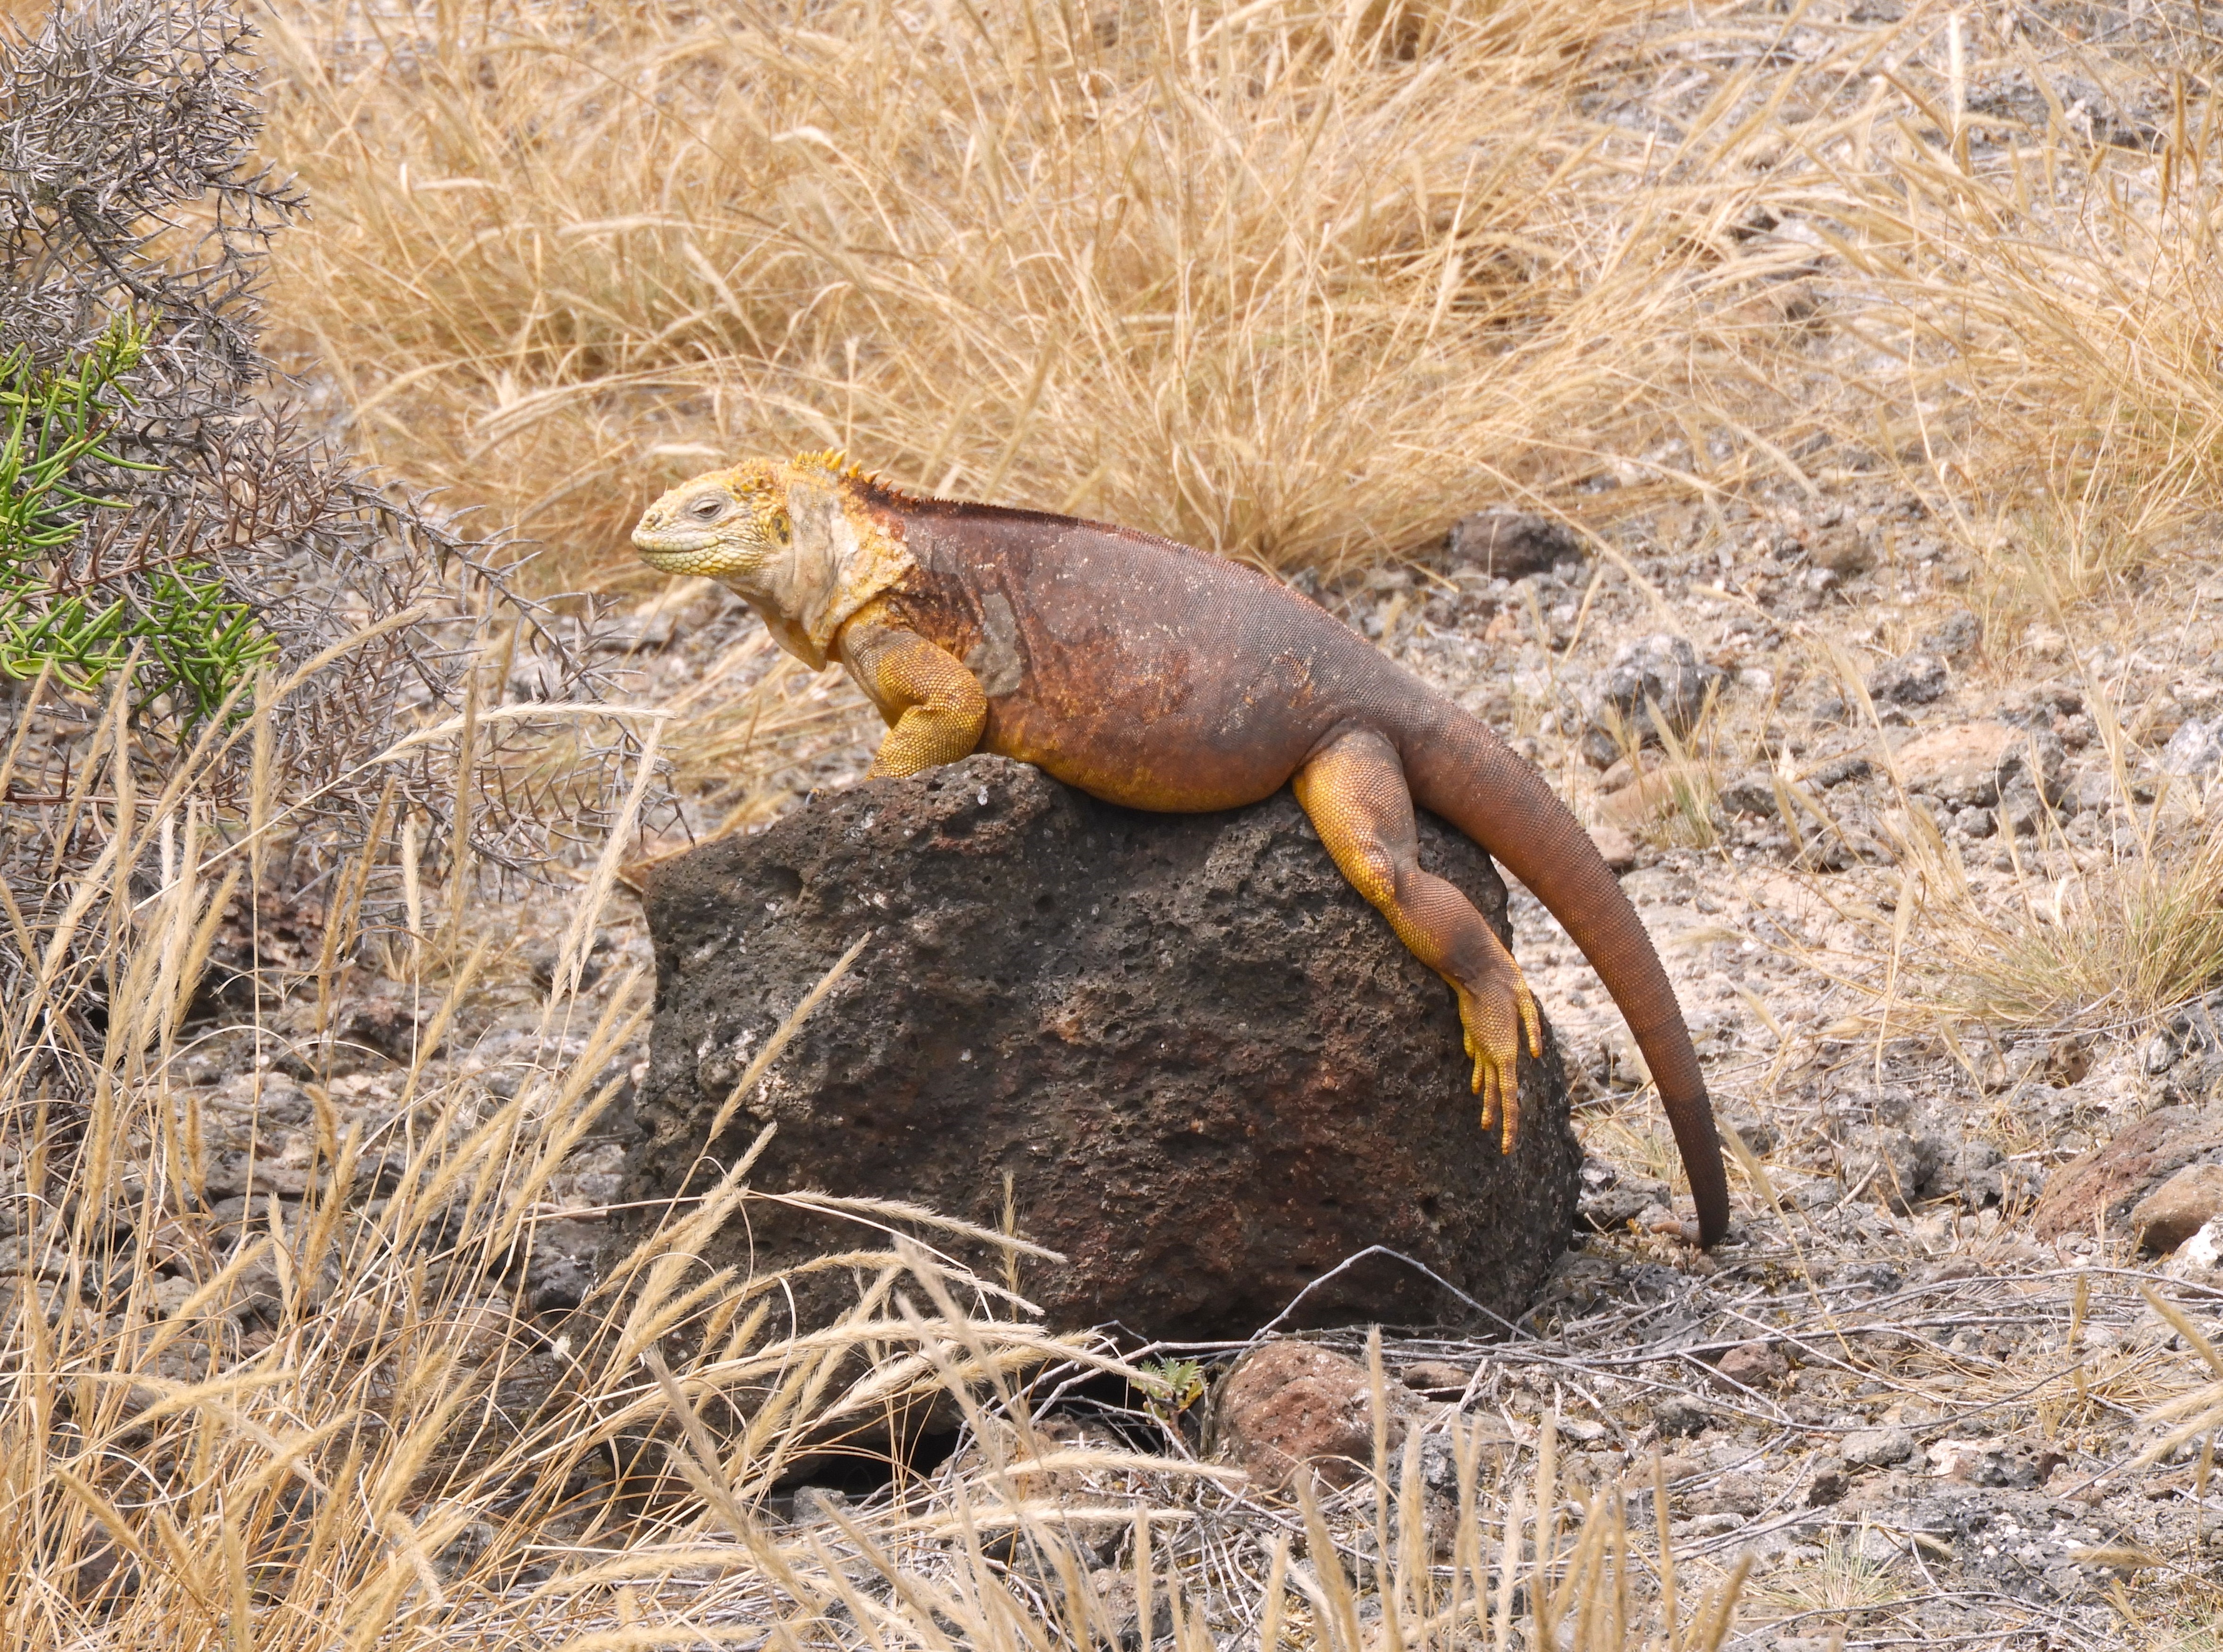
[1298, 283]
[2058, 301]
[2114, 943]
[249, 1427]
[2098, 934]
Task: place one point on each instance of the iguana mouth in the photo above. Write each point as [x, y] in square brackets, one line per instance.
[659, 549]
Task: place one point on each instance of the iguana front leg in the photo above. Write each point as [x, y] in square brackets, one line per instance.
[933, 706]
[1354, 789]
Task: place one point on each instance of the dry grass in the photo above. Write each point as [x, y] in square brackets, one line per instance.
[2119, 937]
[2059, 300]
[330, 1413]
[1296, 282]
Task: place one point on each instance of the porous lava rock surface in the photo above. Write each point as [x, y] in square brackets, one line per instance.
[1209, 1069]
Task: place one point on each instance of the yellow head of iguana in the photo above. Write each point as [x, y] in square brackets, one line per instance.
[800, 540]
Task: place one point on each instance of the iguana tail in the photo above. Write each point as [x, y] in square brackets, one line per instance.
[1460, 769]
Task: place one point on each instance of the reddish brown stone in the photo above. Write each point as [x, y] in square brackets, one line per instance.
[2107, 1182]
[1291, 1406]
[2179, 1207]
[1753, 1365]
[1210, 1068]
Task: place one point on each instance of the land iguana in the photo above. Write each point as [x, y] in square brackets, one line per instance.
[1159, 677]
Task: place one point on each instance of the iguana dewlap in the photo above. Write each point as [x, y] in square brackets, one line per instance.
[1159, 677]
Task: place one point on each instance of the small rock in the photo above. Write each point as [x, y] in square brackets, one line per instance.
[1710, 1525]
[2020, 812]
[2178, 1208]
[1821, 1192]
[463, 1551]
[1608, 1201]
[1658, 674]
[541, 962]
[1877, 1448]
[1848, 555]
[1973, 764]
[1115, 1590]
[1615, 846]
[388, 1022]
[817, 1504]
[1752, 1130]
[2195, 750]
[1670, 786]
[2204, 1249]
[1912, 679]
[1627, 770]
[1512, 544]
[562, 1270]
[1879, 1277]
[1955, 636]
[1829, 1485]
[1436, 1378]
[1974, 1171]
[2088, 790]
[1679, 1415]
[1838, 770]
[2108, 1181]
[1736, 1494]
[169, 1296]
[1752, 1364]
[1292, 1406]
[1892, 1165]
[1752, 792]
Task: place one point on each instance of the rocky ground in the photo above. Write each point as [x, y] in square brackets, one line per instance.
[1915, 1384]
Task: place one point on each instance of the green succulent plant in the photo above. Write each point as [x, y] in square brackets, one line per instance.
[196, 637]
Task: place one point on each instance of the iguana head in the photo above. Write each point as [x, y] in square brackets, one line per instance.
[803, 540]
[719, 524]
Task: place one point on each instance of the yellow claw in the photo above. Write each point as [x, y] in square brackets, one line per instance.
[1493, 1039]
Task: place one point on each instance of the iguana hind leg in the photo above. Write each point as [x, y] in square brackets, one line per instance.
[1354, 789]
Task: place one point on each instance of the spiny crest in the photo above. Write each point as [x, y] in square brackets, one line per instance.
[834, 464]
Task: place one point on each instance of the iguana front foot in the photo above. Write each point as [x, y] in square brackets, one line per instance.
[1495, 1016]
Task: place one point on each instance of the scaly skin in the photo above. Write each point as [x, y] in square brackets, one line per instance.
[1157, 676]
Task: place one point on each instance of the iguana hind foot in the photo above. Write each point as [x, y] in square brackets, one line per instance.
[1354, 791]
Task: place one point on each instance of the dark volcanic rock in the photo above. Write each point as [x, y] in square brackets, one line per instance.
[1210, 1068]
[1653, 681]
[1512, 544]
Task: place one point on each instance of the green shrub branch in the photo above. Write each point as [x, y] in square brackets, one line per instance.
[197, 637]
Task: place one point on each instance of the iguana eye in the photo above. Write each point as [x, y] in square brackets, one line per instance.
[708, 507]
